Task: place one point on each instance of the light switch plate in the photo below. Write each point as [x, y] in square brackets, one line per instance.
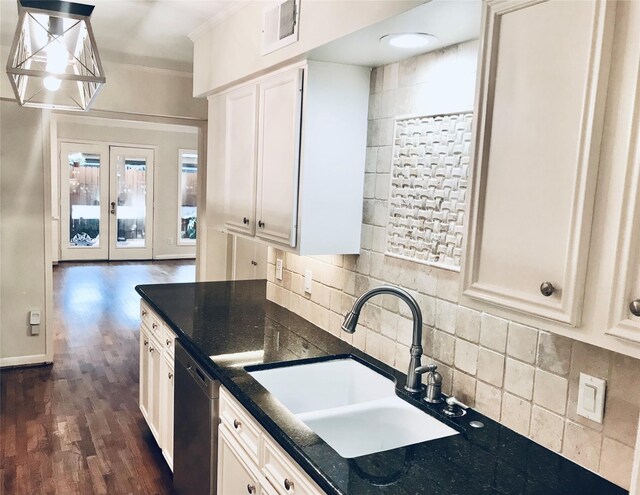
[591, 393]
[308, 278]
[278, 269]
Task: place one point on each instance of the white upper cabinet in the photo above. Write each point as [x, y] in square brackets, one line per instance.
[240, 160]
[540, 104]
[295, 144]
[278, 156]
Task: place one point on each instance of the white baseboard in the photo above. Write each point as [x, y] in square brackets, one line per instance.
[175, 256]
[23, 360]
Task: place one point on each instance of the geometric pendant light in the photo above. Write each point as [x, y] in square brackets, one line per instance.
[54, 61]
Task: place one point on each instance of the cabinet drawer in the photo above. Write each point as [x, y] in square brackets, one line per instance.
[283, 473]
[244, 428]
[169, 341]
[145, 314]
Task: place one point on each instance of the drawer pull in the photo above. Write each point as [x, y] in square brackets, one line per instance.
[261, 224]
[146, 343]
[547, 288]
[634, 307]
[168, 341]
[154, 325]
[245, 221]
[170, 375]
[237, 424]
[151, 349]
[251, 489]
[144, 312]
[288, 484]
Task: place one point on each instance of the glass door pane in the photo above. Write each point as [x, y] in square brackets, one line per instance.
[84, 195]
[188, 209]
[131, 203]
[130, 208]
[84, 199]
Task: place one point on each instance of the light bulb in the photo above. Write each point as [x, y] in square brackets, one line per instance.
[409, 40]
[52, 83]
[57, 59]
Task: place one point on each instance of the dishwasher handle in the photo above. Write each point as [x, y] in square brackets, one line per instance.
[207, 383]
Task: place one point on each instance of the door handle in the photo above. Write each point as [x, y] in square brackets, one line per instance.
[113, 207]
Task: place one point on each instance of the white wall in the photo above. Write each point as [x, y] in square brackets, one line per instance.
[231, 50]
[22, 232]
[168, 143]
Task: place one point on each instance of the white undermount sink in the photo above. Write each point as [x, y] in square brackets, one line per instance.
[350, 406]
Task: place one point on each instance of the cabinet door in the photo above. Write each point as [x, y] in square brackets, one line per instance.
[153, 372]
[624, 306]
[166, 408]
[240, 160]
[249, 259]
[538, 125]
[235, 477]
[143, 397]
[279, 156]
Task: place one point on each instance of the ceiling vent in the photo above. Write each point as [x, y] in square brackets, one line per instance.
[280, 25]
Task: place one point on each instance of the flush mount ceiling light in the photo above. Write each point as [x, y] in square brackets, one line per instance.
[54, 61]
[408, 40]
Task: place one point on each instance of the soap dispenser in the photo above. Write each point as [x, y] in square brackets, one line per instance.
[433, 381]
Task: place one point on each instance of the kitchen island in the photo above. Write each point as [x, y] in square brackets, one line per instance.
[228, 325]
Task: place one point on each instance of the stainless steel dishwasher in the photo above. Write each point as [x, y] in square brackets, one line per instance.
[195, 427]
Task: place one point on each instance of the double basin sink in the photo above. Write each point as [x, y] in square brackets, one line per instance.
[350, 406]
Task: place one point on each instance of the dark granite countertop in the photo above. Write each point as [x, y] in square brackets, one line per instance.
[223, 318]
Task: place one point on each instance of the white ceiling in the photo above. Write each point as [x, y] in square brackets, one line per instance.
[451, 21]
[152, 33]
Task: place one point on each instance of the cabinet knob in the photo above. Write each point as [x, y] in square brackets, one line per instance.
[151, 349]
[170, 375]
[261, 224]
[288, 484]
[154, 325]
[245, 221]
[237, 424]
[251, 489]
[146, 343]
[144, 313]
[547, 289]
[634, 307]
[168, 341]
[254, 263]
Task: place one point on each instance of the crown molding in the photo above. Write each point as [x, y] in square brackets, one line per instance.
[220, 17]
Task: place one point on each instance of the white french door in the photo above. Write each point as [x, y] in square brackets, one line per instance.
[106, 202]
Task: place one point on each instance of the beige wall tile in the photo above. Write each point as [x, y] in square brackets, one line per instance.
[387, 350]
[591, 360]
[468, 324]
[547, 428]
[522, 342]
[491, 367]
[464, 388]
[447, 287]
[518, 378]
[488, 400]
[446, 313]
[403, 357]
[582, 445]
[427, 281]
[493, 332]
[621, 420]
[447, 378]
[554, 353]
[625, 378]
[516, 413]
[551, 391]
[443, 347]
[616, 462]
[466, 356]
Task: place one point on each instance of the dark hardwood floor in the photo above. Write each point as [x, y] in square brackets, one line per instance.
[74, 427]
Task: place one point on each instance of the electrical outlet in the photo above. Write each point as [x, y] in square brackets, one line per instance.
[308, 279]
[278, 269]
[170, 241]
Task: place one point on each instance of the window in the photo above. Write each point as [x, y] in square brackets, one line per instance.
[187, 190]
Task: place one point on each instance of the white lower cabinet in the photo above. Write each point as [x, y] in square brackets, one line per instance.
[156, 379]
[250, 461]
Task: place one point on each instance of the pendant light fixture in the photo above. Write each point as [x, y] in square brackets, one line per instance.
[54, 61]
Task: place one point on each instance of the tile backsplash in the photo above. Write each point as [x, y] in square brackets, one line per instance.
[523, 377]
